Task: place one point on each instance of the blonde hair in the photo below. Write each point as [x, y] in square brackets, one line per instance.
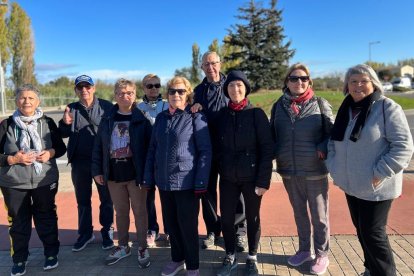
[296, 66]
[148, 77]
[187, 84]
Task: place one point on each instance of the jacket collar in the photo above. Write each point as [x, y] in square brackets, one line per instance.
[137, 115]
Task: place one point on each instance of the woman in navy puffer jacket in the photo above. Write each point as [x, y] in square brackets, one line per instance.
[178, 162]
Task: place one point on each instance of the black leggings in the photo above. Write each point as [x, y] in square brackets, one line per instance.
[229, 198]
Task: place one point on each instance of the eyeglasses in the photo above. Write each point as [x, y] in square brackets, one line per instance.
[357, 83]
[207, 64]
[129, 94]
[150, 85]
[172, 91]
[296, 78]
[81, 86]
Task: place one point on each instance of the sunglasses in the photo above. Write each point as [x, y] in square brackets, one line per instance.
[150, 86]
[172, 91]
[81, 86]
[296, 79]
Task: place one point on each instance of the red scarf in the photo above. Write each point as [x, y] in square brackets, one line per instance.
[238, 106]
[304, 97]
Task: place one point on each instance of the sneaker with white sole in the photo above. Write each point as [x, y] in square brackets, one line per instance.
[300, 257]
[82, 242]
[118, 254]
[143, 258]
[320, 265]
[51, 263]
[18, 269]
[172, 268]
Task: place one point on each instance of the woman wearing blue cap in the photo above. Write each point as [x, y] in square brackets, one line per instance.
[244, 148]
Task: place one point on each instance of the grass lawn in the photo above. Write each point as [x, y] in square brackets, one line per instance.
[265, 100]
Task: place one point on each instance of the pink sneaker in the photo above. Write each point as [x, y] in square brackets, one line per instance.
[300, 257]
[320, 265]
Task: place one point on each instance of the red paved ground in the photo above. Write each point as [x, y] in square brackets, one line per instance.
[276, 215]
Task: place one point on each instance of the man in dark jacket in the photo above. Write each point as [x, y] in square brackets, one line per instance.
[80, 122]
[209, 98]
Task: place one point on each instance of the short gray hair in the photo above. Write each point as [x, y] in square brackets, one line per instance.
[26, 87]
[206, 54]
[364, 70]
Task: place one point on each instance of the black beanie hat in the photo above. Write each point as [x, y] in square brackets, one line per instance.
[236, 75]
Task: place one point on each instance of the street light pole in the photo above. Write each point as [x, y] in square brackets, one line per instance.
[2, 82]
[369, 48]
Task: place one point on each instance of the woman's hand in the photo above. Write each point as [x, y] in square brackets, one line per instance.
[22, 158]
[260, 191]
[196, 108]
[45, 155]
[321, 155]
[99, 179]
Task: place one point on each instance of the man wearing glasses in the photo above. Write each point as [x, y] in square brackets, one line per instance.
[209, 98]
[80, 122]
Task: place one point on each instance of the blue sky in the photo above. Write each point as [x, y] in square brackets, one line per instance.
[112, 39]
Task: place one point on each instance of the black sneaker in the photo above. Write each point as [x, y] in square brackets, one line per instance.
[241, 243]
[51, 263]
[209, 241]
[108, 239]
[251, 268]
[227, 267]
[18, 269]
[82, 242]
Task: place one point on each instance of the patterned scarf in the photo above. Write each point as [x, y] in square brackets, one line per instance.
[296, 103]
[28, 126]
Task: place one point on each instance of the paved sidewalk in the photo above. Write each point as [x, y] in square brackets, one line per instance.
[345, 259]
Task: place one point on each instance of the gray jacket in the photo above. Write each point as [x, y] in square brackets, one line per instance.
[20, 176]
[151, 111]
[296, 142]
[383, 150]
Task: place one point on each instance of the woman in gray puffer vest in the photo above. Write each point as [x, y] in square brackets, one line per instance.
[301, 125]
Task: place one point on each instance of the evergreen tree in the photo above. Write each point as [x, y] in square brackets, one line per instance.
[261, 51]
[215, 47]
[21, 46]
[195, 72]
[4, 41]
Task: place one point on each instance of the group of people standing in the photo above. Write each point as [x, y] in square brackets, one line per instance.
[182, 145]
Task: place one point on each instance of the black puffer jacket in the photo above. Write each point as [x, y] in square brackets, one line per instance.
[244, 146]
[297, 141]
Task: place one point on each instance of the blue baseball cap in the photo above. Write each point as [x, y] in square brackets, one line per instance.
[84, 78]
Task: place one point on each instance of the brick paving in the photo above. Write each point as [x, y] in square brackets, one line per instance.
[345, 259]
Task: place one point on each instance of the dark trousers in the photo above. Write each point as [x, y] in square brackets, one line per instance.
[370, 219]
[22, 206]
[82, 181]
[180, 211]
[229, 198]
[152, 212]
[209, 202]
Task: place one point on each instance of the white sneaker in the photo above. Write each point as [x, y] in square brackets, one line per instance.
[152, 236]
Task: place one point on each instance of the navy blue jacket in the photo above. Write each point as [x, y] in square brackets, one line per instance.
[211, 97]
[140, 134]
[179, 155]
